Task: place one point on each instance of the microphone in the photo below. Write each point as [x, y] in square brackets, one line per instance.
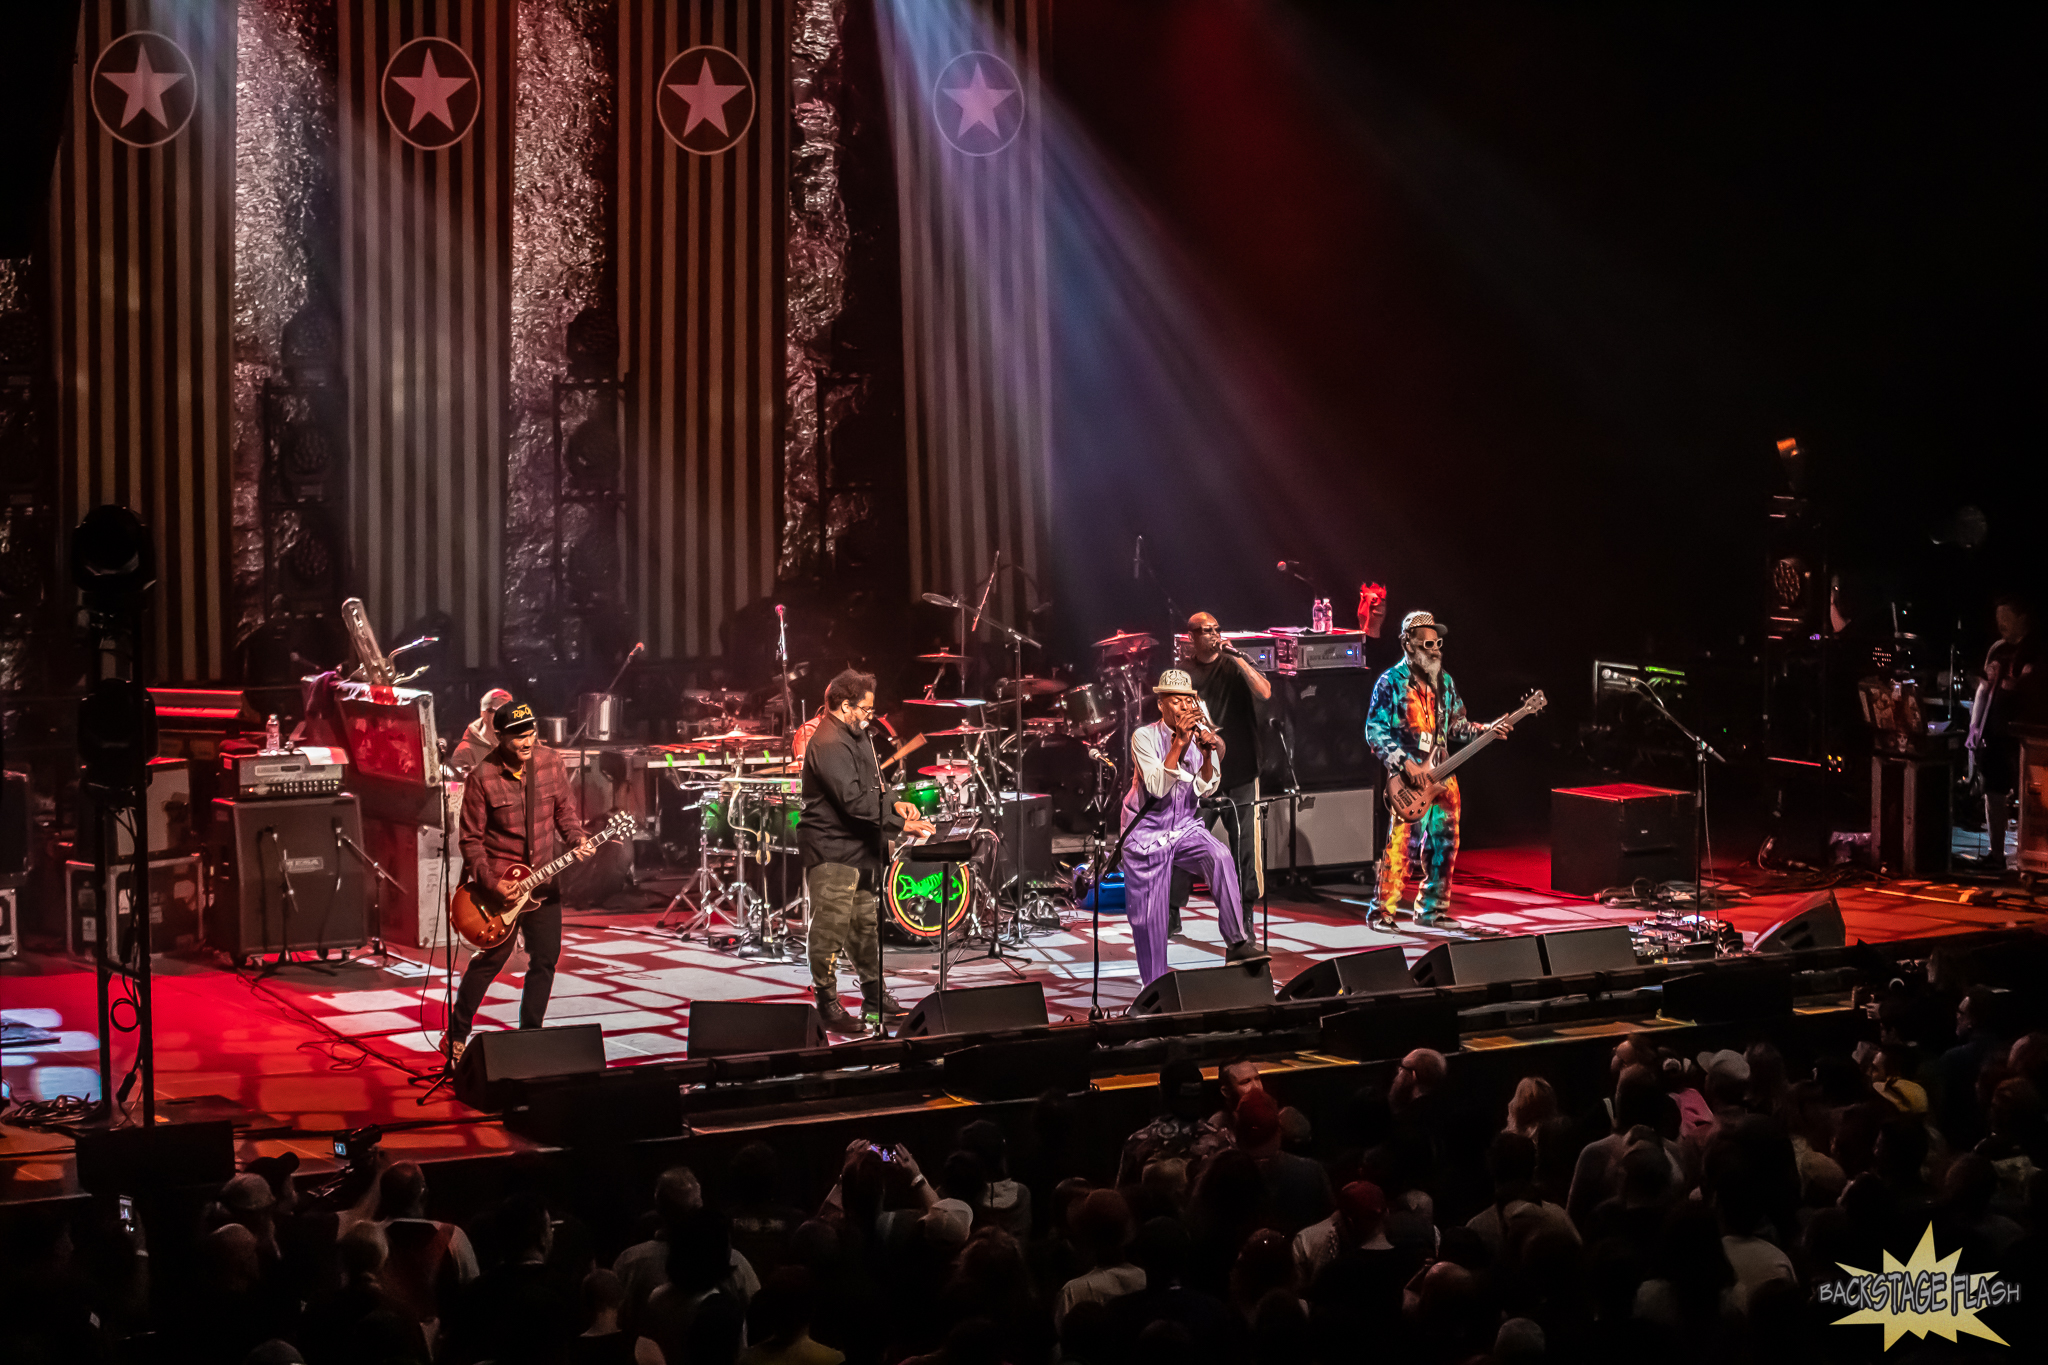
[1137, 557]
[1294, 566]
[640, 646]
[1229, 648]
[778, 611]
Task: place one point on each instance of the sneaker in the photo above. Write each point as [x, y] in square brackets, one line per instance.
[1246, 950]
[1173, 923]
[1436, 920]
[1383, 919]
[833, 1014]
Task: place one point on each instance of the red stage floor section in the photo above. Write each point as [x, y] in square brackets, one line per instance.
[273, 1047]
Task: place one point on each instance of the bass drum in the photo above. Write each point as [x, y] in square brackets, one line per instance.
[911, 896]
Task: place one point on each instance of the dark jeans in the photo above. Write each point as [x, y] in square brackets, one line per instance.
[542, 930]
[1235, 825]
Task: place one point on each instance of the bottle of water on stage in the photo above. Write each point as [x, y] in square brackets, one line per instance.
[273, 738]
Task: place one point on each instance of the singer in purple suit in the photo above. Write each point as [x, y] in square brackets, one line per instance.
[1175, 762]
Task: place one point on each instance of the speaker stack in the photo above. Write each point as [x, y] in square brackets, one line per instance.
[285, 879]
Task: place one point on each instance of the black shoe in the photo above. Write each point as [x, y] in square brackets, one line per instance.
[1384, 920]
[1245, 950]
[889, 1007]
[1173, 923]
[833, 1014]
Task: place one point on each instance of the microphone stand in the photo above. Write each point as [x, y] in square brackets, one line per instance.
[1018, 640]
[583, 754]
[341, 840]
[1297, 885]
[1702, 751]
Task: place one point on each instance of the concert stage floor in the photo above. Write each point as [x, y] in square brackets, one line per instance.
[271, 1051]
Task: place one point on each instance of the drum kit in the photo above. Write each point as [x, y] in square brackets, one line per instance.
[747, 805]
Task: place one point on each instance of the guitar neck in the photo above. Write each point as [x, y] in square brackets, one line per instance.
[548, 871]
[1450, 765]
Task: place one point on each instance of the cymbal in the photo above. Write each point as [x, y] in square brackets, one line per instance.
[943, 658]
[1030, 687]
[1127, 642]
[960, 731]
[956, 703]
[731, 739]
[947, 770]
[939, 599]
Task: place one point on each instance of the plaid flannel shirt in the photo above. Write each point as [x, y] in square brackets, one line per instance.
[494, 815]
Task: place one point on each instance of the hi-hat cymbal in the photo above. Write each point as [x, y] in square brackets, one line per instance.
[939, 599]
[943, 658]
[1030, 687]
[1127, 642]
[960, 731]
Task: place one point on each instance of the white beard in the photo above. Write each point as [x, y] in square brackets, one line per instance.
[1429, 666]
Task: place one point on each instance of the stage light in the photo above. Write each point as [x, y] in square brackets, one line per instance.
[113, 559]
[117, 735]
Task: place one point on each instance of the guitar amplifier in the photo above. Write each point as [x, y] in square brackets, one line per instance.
[1306, 651]
[1617, 834]
[1256, 645]
[261, 848]
[311, 771]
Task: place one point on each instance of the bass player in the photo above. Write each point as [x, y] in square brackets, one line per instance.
[516, 808]
[1415, 714]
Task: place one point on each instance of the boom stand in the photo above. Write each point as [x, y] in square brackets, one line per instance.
[1702, 751]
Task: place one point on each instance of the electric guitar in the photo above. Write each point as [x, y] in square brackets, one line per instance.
[485, 920]
[1410, 800]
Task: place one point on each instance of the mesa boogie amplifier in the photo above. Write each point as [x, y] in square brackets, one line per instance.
[1304, 651]
[311, 771]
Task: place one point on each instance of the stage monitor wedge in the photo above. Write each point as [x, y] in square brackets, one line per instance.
[495, 1065]
[1375, 969]
[977, 1009]
[1574, 952]
[1476, 962]
[728, 1028]
[1196, 989]
[1815, 922]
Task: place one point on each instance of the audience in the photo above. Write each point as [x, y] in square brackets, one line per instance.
[1471, 1221]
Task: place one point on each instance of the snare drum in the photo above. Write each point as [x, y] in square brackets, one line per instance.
[1089, 711]
[912, 895]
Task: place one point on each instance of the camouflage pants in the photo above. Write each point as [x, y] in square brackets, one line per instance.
[843, 920]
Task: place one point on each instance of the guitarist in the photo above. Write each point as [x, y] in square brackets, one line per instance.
[1416, 714]
[516, 808]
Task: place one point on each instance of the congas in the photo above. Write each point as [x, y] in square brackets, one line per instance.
[911, 894]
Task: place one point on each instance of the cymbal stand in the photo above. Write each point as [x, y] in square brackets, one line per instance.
[705, 895]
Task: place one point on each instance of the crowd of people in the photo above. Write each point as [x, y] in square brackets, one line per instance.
[1687, 1211]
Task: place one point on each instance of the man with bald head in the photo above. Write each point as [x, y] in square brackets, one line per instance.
[1228, 685]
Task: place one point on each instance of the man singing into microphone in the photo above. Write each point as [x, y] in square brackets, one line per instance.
[1175, 764]
[1226, 683]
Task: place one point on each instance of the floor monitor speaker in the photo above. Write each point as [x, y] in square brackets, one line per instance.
[1572, 952]
[138, 1160]
[1476, 962]
[1376, 969]
[1815, 922]
[1193, 989]
[726, 1028]
[977, 1009]
[495, 1065]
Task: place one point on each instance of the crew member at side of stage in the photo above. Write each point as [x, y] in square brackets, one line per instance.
[843, 837]
[2013, 687]
[481, 735]
[1226, 683]
[1416, 713]
[516, 808]
[1175, 762]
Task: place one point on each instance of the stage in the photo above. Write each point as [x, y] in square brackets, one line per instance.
[303, 1052]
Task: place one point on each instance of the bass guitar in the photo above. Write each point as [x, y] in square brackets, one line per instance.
[1410, 799]
[485, 919]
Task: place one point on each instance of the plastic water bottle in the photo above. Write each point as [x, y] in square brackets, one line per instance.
[273, 738]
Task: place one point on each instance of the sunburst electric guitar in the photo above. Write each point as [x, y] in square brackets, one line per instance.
[486, 920]
[1410, 799]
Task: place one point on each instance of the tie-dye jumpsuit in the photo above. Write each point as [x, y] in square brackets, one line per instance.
[1409, 718]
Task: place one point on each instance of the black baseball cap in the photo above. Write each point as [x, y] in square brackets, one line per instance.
[513, 718]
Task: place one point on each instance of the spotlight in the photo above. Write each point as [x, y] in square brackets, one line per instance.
[113, 559]
[117, 735]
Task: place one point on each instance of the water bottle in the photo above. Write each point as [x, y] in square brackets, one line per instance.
[273, 739]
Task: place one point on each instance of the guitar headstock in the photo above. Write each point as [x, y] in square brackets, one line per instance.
[1534, 702]
[619, 826]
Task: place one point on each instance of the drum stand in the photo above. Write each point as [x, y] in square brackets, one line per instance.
[708, 901]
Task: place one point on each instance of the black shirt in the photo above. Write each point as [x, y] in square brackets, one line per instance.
[1223, 689]
[2018, 679]
[848, 816]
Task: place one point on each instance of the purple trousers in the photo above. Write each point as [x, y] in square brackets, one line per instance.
[1151, 853]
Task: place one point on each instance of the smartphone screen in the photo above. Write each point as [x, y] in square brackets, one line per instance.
[341, 1148]
[127, 1214]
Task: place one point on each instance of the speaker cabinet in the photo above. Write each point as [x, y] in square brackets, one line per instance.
[1730, 994]
[1909, 815]
[1196, 989]
[1479, 961]
[1026, 830]
[1333, 829]
[976, 1009]
[630, 1104]
[1612, 835]
[1321, 714]
[427, 866]
[725, 1028]
[259, 846]
[495, 1065]
[1815, 922]
[1570, 952]
[1377, 969]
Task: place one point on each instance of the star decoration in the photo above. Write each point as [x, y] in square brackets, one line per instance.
[706, 99]
[430, 91]
[978, 101]
[144, 88]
